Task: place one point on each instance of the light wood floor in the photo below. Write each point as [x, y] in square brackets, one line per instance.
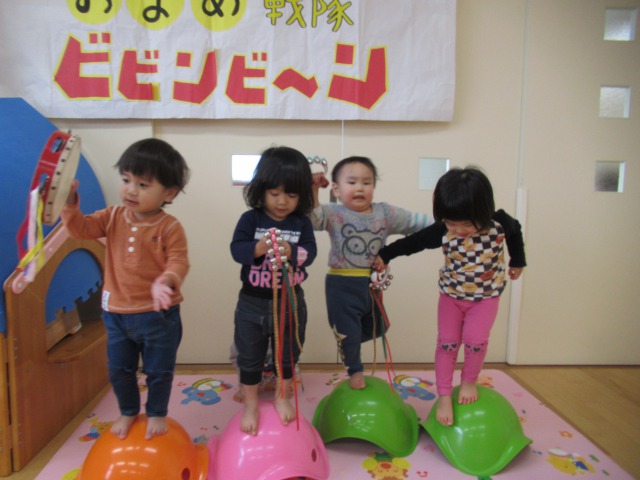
[601, 402]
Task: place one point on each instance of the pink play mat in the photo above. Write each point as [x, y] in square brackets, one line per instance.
[204, 405]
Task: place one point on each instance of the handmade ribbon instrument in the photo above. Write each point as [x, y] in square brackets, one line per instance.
[49, 190]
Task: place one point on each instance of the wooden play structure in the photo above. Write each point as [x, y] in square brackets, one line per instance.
[52, 341]
[47, 387]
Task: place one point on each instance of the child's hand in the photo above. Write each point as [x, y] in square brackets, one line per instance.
[319, 180]
[72, 199]
[161, 294]
[514, 273]
[261, 248]
[285, 247]
[287, 250]
[378, 264]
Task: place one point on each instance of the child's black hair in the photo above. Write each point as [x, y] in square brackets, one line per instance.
[283, 167]
[464, 194]
[335, 173]
[155, 159]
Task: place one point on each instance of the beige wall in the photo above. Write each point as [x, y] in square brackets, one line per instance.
[580, 302]
[528, 75]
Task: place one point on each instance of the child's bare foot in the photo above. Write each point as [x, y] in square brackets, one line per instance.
[250, 416]
[286, 411]
[249, 420]
[156, 426]
[468, 393]
[121, 426]
[269, 382]
[239, 395]
[356, 381]
[444, 410]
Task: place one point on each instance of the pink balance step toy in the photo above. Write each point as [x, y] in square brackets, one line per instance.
[277, 452]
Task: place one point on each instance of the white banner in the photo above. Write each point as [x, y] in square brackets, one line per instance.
[276, 59]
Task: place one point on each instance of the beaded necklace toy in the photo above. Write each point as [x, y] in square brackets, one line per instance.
[288, 304]
[380, 281]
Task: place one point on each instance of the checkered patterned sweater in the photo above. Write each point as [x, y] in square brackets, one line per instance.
[474, 267]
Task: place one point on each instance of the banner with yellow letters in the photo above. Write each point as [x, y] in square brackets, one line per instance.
[273, 59]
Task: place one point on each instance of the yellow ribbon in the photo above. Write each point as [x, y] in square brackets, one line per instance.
[37, 248]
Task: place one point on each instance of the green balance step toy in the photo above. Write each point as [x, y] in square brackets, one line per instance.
[376, 414]
[485, 436]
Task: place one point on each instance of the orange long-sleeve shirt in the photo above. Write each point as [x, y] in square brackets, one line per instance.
[137, 253]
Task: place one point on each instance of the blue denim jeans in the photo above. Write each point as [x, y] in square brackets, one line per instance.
[254, 330]
[153, 335]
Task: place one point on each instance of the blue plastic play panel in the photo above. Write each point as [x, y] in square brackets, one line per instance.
[23, 134]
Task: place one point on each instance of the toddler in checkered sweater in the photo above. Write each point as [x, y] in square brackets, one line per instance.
[471, 234]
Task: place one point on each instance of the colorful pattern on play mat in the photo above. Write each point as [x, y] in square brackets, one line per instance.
[203, 405]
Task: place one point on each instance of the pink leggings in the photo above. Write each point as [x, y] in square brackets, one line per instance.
[462, 321]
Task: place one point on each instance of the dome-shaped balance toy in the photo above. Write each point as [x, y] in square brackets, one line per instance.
[375, 413]
[485, 436]
[171, 456]
[277, 452]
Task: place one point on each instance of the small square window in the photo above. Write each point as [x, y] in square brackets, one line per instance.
[620, 24]
[614, 102]
[242, 168]
[430, 170]
[609, 176]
